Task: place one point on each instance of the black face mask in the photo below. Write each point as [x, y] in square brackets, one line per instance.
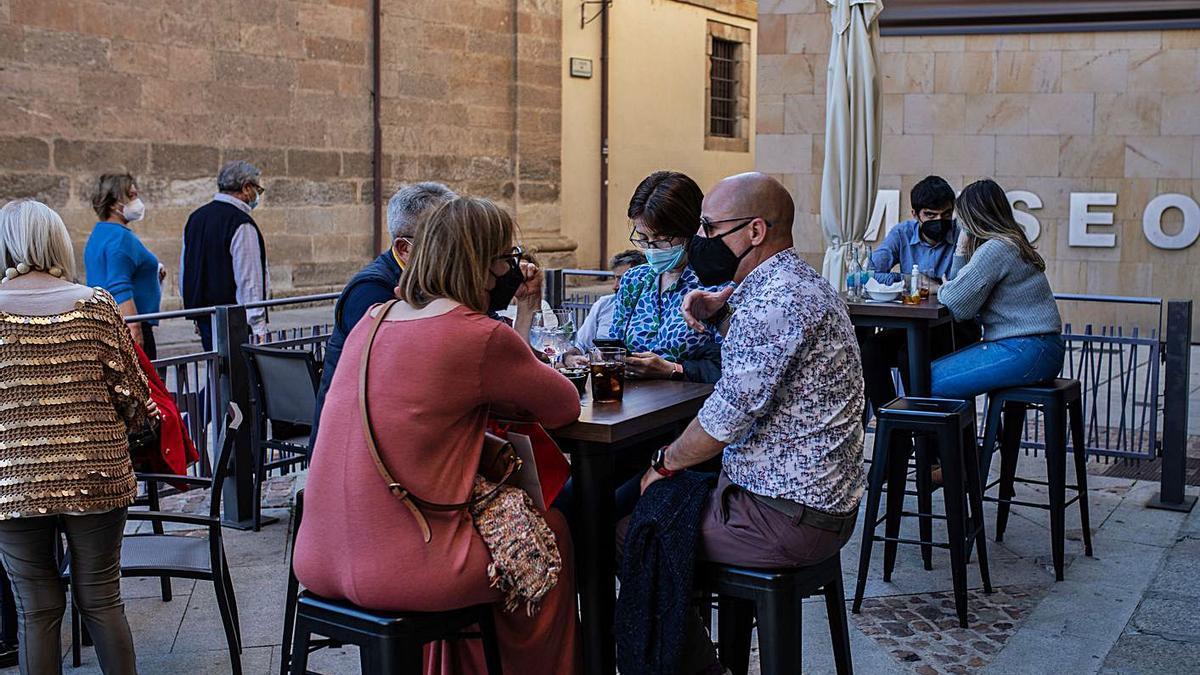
[935, 230]
[506, 287]
[712, 260]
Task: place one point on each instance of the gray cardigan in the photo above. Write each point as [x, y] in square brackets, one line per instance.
[1010, 297]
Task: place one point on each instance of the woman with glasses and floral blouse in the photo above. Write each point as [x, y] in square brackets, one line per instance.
[664, 211]
[648, 317]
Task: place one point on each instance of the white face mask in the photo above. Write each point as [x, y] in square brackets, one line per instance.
[134, 211]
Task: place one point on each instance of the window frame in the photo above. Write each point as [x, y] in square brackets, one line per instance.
[729, 90]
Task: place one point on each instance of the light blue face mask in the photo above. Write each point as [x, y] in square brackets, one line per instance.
[661, 260]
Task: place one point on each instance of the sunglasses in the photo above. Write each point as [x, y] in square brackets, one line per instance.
[707, 223]
[513, 257]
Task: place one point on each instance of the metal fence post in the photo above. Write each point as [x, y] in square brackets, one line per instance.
[1175, 410]
[230, 332]
[556, 288]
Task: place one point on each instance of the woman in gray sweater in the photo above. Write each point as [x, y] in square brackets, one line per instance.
[1000, 280]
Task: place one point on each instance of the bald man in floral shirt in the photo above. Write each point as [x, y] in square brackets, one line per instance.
[786, 415]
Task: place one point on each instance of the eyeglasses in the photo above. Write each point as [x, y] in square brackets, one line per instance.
[643, 242]
[706, 224]
[258, 188]
[513, 257]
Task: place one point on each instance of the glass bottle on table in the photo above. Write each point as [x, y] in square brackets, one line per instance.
[912, 287]
[853, 279]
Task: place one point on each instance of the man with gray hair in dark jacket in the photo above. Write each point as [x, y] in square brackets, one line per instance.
[377, 282]
[223, 260]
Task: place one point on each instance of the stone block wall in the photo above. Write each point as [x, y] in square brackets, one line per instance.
[1048, 113]
[171, 89]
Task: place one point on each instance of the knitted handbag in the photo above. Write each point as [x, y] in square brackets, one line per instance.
[525, 556]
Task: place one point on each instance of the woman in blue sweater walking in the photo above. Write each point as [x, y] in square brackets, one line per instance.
[999, 279]
[117, 261]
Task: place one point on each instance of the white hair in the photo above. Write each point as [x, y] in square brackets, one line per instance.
[32, 233]
[410, 201]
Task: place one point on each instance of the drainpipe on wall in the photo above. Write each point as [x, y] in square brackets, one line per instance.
[376, 133]
[604, 135]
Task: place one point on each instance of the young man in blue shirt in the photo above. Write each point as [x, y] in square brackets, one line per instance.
[926, 240]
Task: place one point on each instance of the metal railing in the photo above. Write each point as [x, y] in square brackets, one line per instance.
[1135, 382]
[1134, 408]
[1119, 371]
[204, 382]
[559, 296]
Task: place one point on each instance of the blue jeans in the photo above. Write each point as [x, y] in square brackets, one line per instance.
[984, 367]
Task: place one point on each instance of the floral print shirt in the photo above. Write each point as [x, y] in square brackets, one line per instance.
[649, 321]
[789, 403]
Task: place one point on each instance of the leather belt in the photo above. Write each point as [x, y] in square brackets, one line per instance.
[806, 515]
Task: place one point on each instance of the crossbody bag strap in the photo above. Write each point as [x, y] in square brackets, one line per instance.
[414, 503]
[369, 432]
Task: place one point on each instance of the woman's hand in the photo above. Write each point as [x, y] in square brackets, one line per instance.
[529, 293]
[573, 358]
[964, 240]
[647, 365]
[153, 411]
[699, 305]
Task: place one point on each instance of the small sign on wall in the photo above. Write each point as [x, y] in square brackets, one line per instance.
[581, 68]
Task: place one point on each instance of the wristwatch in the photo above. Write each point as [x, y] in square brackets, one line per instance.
[658, 463]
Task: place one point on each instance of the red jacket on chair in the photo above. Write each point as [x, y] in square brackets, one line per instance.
[176, 451]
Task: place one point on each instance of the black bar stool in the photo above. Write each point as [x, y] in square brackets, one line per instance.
[1060, 401]
[951, 423]
[775, 597]
[388, 642]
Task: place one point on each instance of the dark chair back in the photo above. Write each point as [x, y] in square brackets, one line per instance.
[224, 461]
[284, 382]
[214, 484]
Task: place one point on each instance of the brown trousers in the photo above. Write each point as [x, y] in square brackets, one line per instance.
[737, 529]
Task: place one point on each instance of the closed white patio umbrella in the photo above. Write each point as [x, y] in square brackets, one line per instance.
[853, 131]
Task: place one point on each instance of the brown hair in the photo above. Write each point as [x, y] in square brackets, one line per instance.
[668, 204]
[453, 249]
[985, 213]
[111, 189]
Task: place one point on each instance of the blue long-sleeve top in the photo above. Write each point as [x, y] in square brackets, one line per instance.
[117, 261]
[903, 246]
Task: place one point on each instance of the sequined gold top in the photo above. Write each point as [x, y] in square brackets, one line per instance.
[70, 389]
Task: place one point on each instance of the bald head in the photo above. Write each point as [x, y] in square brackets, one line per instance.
[751, 213]
[753, 194]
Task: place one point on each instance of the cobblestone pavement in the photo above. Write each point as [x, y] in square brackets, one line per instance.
[922, 632]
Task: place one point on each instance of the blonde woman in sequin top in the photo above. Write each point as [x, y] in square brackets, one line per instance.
[71, 390]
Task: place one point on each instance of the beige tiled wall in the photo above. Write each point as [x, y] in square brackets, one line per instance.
[1051, 113]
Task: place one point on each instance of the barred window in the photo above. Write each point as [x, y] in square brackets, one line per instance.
[723, 89]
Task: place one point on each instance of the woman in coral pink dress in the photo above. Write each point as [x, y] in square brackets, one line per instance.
[439, 364]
